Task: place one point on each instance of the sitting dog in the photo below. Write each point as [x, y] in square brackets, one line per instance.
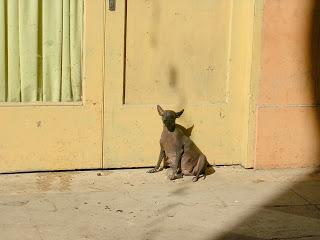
[178, 150]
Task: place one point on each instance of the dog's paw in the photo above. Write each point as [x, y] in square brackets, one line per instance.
[175, 176]
[195, 179]
[154, 170]
[172, 178]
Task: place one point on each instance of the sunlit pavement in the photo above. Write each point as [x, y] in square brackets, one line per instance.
[231, 204]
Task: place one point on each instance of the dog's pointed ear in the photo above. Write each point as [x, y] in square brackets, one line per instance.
[178, 114]
[160, 110]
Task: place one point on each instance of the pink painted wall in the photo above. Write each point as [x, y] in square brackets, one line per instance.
[288, 124]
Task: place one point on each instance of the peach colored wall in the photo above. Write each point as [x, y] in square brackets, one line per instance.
[288, 125]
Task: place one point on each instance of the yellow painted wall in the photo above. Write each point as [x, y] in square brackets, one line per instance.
[71, 136]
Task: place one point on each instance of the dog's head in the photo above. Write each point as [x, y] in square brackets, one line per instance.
[169, 117]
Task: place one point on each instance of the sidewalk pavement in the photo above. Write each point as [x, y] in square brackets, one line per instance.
[231, 204]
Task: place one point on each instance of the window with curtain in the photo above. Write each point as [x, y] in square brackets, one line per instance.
[41, 50]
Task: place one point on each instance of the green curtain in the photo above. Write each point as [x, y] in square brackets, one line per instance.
[40, 50]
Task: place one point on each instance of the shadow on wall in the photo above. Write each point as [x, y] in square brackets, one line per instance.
[294, 214]
[174, 84]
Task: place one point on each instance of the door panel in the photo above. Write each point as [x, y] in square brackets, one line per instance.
[60, 136]
[179, 54]
[172, 48]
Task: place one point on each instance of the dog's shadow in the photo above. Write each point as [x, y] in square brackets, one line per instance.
[188, 132]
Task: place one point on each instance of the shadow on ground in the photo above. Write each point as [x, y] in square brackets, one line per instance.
[295, 214]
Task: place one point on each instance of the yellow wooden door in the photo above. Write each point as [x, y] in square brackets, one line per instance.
[60, 136]
[187, 54]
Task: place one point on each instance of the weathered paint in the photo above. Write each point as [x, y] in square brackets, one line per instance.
[210, 76]
[66, 136]
[288, 126]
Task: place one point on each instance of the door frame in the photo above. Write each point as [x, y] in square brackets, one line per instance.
[255, 76]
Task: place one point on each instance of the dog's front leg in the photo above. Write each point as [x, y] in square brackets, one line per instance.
[157, 167]
[176, 172]
[178, 160]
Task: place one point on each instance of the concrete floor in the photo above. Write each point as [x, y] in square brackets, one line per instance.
[231, 204]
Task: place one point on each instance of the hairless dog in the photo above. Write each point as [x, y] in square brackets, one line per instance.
[178, 150]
